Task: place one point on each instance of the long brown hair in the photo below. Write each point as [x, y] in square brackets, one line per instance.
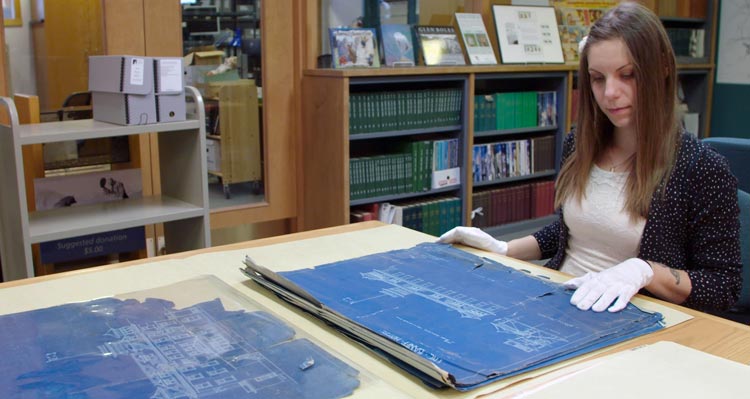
[656, 126]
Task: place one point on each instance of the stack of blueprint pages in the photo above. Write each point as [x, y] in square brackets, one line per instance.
[450, 317]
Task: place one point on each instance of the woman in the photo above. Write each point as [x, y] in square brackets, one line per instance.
[642, 204]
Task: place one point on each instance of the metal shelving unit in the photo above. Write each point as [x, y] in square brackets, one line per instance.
[182, 205]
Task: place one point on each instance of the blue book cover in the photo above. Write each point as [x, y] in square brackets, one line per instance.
[398, 45]
[476, 319]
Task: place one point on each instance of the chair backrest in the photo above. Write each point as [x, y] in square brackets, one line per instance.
[76, 106]
[737, 152]
[77, 98]
[744, 201]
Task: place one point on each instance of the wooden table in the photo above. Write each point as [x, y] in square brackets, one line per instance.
[704, 332]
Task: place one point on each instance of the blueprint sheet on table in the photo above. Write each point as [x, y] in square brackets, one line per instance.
[113, 348]
[472, 317]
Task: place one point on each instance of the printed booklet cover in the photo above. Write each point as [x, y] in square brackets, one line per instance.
[354, 48]
[476, 41]
[439, 46]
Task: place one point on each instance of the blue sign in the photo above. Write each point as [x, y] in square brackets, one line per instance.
[93, 245]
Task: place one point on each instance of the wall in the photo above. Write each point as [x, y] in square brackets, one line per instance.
[730, 108]
[730, 103]
[21, 53]
[337, 13]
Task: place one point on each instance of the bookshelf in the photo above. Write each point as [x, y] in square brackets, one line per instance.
[686, 17]
[369, 140]
[330, 145]
[516, 151]
[182, 204]
[326, 144]
[695, 53]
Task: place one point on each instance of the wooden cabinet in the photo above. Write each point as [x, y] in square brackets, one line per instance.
[68, 33]
[182, 205]
[233, 147]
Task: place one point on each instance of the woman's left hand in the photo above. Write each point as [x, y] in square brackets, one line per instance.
[597, 291]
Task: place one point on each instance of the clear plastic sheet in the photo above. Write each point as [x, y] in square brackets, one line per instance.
[195, 339]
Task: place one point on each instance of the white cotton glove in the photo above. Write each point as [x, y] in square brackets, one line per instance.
[474, 237]
[596, 291]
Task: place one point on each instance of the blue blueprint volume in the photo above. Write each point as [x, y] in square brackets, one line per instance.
[475, 319]
[112, 348]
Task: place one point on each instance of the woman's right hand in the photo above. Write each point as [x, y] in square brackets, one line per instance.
[474, 237]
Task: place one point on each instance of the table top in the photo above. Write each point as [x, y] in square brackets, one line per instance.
[707, 333]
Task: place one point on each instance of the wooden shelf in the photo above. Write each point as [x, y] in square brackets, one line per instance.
[509, 132]
[399, 133]
[395, 197]
[440, 70]
[515, 179]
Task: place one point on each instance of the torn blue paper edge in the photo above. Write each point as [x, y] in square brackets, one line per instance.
[477, 319]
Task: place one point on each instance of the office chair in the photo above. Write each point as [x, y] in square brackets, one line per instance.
[744, 199]
[737, 153]
[76, 99]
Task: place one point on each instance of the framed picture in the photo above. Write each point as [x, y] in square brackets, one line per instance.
[12, 12]
[527, 34]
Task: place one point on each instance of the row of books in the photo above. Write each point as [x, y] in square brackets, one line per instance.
[433, 216]
[407, 109]
[687, 42]
[513, 110]
[501, 160]
[406, 172]
[212, 117]
[513, 204]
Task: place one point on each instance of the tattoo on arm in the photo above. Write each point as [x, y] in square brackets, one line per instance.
[673, 272]
[676, 275]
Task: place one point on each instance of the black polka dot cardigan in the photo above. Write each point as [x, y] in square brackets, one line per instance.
[695, 227]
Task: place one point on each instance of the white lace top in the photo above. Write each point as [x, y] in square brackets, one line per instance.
[601, 234]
